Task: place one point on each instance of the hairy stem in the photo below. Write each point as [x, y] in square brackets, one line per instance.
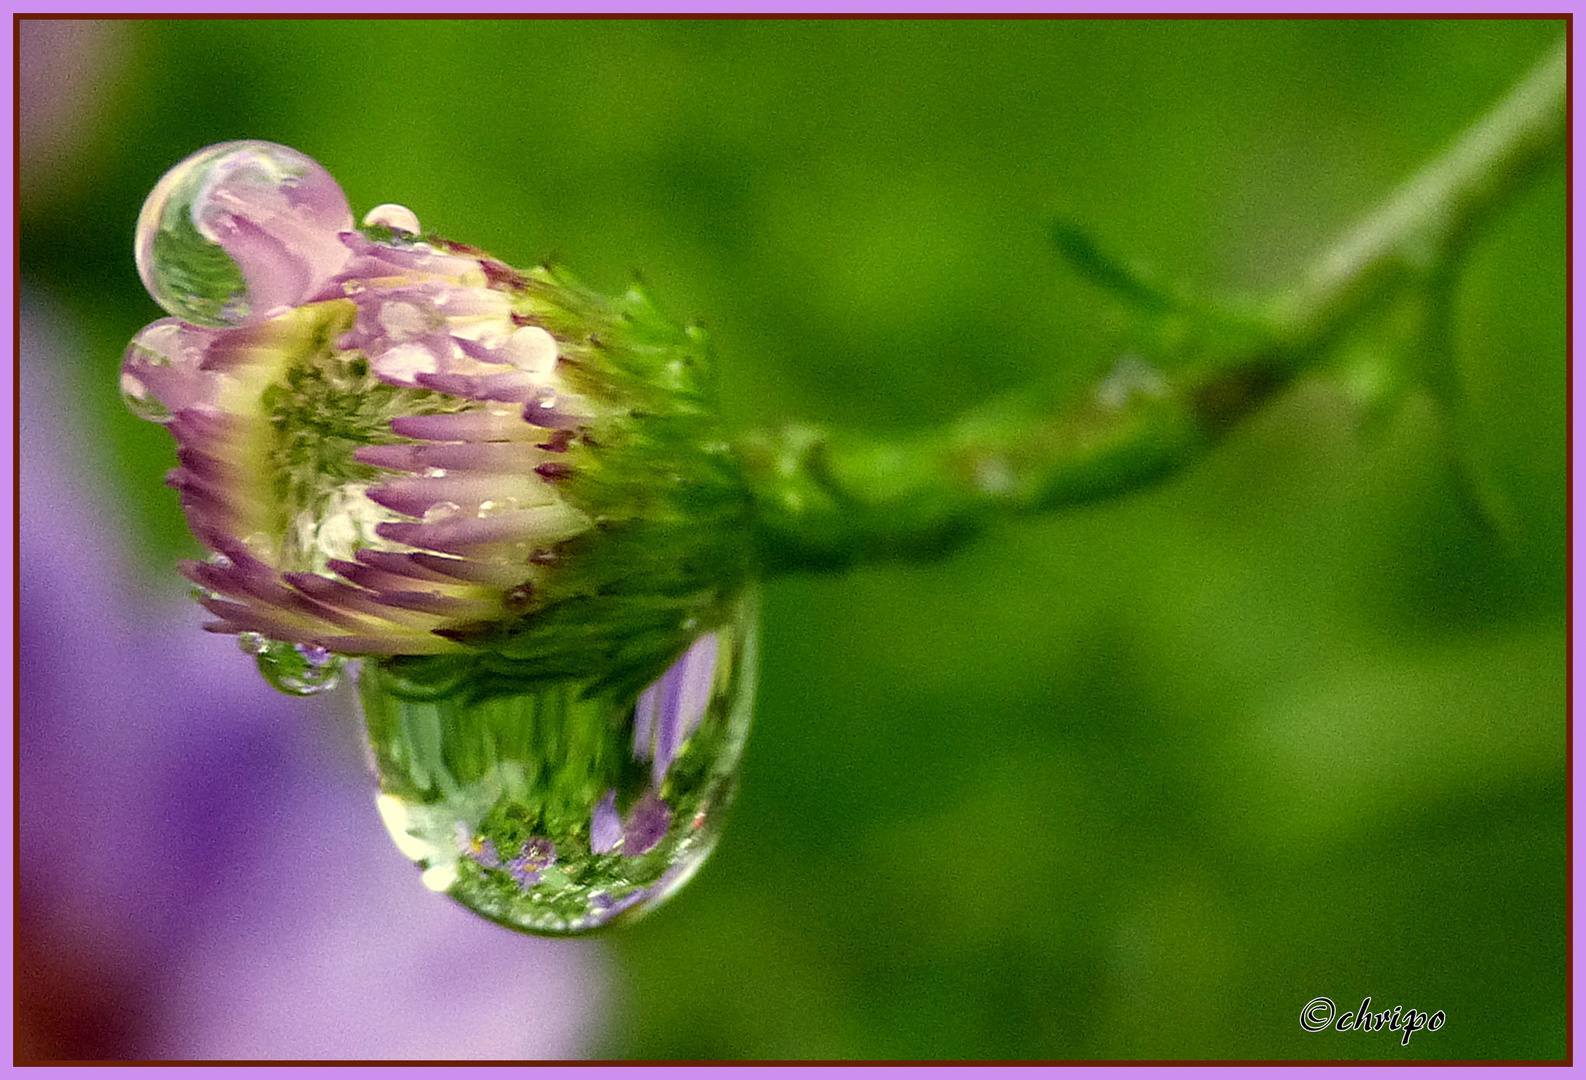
[825, 500]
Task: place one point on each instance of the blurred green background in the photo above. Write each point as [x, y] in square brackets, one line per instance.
[1138, 780]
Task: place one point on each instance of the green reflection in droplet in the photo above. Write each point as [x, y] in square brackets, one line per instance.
[556, 812]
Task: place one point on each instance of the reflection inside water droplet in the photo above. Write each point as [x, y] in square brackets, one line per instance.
[157, 370]
[240, 231]
[302, 670]
[554, 812]
[393, 216]
[140, 401]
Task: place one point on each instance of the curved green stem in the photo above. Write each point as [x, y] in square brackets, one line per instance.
[826, 500]
[1430, 218]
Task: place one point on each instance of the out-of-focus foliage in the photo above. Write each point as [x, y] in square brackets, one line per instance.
[1139, 780]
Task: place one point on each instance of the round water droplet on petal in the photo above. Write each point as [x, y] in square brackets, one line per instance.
[441, 511]
[519, 599]
[252, 643]
[160, 371]
[532, 349]
[300, 670]
[240, 232]
[540, 410]
[554, 811]
[394, 217]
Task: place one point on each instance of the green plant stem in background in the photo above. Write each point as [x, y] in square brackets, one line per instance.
[832, 499]
[1428, 221]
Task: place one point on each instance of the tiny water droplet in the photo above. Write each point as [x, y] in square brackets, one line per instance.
[540, 410]
[520, 598]
[395, 217]
[492, 507]
[441, 511]
[240, 231]
[298, 669]
[252, 643]
[554, 811]
[434, 473]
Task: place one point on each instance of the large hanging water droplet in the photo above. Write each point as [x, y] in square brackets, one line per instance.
[239, 232]
[294, 669]
[555, 813]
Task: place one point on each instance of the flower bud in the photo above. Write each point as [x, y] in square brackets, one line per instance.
[507, 492]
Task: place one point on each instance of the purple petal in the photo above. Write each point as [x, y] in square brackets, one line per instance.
[511, 386]
[401, 564]
[645, 712]
[372, 578]
[672, 708]
[413, 496]
[476, 425]
[201, 425]
[465, 536]
[470, 570]
[505, 458]
[647, 824]
[605, 828]
[449, 607]
[338, 594]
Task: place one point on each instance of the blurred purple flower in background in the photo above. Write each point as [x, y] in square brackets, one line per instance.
[200, 873]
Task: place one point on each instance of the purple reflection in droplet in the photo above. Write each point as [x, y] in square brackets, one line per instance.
[647, 824]
[605, 829]
[672, 708]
